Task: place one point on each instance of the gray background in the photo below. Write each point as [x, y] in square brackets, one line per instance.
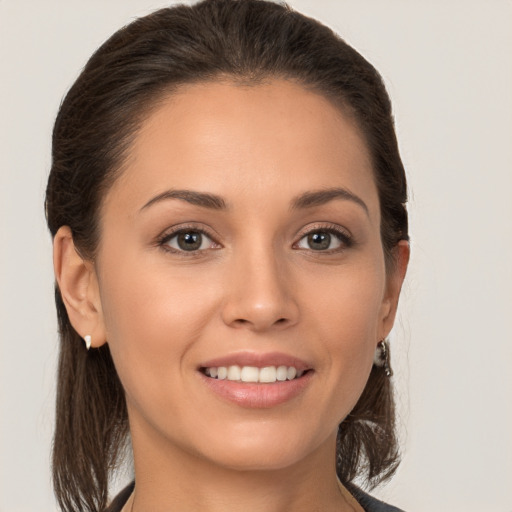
[448, 68]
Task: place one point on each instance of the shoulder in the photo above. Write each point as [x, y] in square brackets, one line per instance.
[371, 504]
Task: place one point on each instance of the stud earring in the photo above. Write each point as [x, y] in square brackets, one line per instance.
[381, 357]
[88, 340]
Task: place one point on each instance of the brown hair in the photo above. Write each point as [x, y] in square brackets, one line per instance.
[244, 41]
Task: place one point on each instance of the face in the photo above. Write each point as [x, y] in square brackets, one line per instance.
[244, 233]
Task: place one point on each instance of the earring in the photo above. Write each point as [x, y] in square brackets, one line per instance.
[88, 340]
[381, 357]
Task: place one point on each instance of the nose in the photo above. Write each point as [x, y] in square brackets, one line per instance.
[260, 295]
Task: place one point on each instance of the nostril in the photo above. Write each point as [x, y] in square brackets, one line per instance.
[242, 322]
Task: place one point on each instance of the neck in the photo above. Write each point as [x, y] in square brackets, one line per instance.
[173, 479]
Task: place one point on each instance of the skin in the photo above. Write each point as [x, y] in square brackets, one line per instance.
[255, 285]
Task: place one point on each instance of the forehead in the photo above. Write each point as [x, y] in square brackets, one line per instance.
[230, 139]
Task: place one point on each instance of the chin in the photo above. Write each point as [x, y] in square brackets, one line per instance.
[262, 447]
[273, 459]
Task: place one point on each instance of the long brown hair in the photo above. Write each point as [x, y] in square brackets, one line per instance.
[246, 41]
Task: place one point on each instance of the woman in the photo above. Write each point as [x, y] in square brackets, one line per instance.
[230, 239]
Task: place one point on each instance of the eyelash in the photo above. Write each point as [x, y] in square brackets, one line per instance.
[342, 235]
[164, 239]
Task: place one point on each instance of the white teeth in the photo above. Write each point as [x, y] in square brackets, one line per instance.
[267, 374]
[291, 373]
[281, 373]
[234, 373]
[250, 374]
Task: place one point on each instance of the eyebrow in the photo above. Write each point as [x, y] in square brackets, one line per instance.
[321, 197]
[203, 199]
[214, 202]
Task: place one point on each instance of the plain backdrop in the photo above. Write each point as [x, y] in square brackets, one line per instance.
[448, 68]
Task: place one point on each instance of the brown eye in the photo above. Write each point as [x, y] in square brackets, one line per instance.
[319, 241]
[324, 240]
[189, 241]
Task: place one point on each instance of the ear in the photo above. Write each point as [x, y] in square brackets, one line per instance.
[394, 281]
[78, 284]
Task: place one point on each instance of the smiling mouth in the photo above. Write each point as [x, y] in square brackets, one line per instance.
[253, 374]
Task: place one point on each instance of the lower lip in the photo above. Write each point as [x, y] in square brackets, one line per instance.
[256, 395]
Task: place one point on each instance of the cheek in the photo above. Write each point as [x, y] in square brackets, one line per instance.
[345, 310]
[347, 300]
[153, 316]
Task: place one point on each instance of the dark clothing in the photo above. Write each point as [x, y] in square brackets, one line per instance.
[371, 504]
[365, 500]
[120, 500]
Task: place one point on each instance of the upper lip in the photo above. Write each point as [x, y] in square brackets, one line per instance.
[257, 359]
